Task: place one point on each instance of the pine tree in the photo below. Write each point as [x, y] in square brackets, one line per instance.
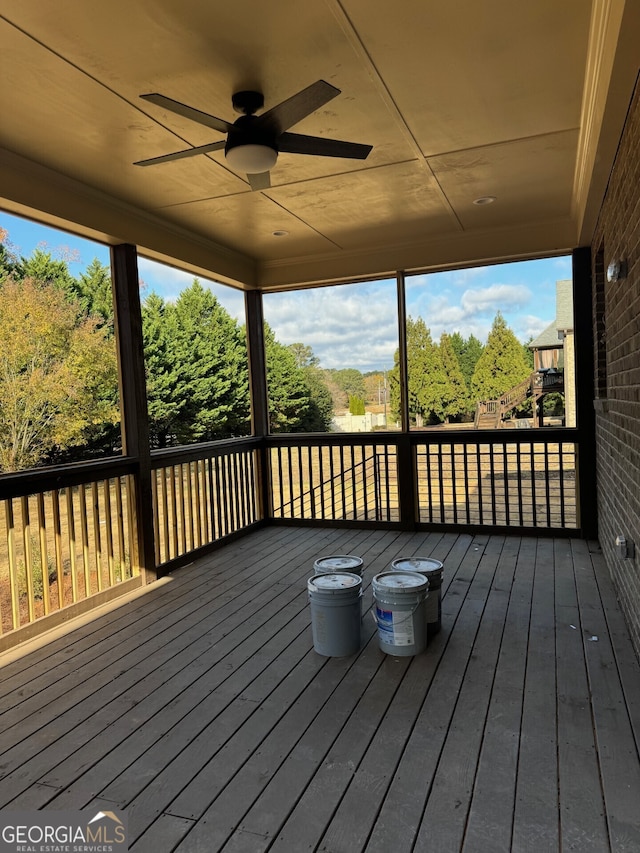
[428, 384]
[289, 396]
[502, 364]
[209, 349]
[456, 401]
[93, 289]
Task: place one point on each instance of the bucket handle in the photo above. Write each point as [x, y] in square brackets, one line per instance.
[395, 621]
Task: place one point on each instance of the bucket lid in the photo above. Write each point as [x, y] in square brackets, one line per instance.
[334, 582]
[413, 581]
[338, 563]
[424, 565]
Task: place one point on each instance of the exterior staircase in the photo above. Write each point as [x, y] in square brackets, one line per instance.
[491, 414]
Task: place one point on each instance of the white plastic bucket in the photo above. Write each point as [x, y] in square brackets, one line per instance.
[339, 563]
[399, 610]
[432, 570]
[336, 619]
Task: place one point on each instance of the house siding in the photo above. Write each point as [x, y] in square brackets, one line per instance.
[616, 313]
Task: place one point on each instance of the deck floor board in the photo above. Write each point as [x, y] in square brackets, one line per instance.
[201, 709]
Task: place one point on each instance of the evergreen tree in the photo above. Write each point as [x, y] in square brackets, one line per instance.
[320, 412]
[356, 405]
[502, 364]
[456, 401]
[161, 369]
[209, 350]
[42, 267]
[289, 395]
[93, 290]
[196, 369]
[428, 384]
[468, 352]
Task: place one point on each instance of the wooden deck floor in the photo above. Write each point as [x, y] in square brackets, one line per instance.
[201, 709]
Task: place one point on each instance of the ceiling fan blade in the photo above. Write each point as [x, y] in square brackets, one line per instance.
[296, 143]
[178, 155]
[294, 109]
[188, 112]
[260, 181]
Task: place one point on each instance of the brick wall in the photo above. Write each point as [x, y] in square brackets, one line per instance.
[617, 361]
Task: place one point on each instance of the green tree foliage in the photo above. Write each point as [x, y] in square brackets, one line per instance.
[350, 382]
[7, 257]
[304, 355]
[289, 397]
[318, 415]
[468, 352]
[429, 387]
[356, 405]
[455, 403]
[502, 364]
[93, 290]
[320, 412]
[528, 354]
[44, 268]
[428, 383]
[161, 369]
[197, 375]
[57, 374]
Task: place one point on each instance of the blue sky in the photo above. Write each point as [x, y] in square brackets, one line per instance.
[350, 325]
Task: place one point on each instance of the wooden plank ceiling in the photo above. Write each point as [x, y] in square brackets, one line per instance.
[522, 102]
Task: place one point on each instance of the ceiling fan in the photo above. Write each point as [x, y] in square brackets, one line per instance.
[254, 142]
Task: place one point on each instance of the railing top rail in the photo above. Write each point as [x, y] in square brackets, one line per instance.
[20, 483]
[192, 452]
[468, 435]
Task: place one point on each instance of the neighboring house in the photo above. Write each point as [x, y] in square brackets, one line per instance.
[553, 349]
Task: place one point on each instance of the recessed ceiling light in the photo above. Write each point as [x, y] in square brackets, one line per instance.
[280, 233]
[485, 199]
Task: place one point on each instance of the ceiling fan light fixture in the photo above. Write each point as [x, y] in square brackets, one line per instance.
[252, 159]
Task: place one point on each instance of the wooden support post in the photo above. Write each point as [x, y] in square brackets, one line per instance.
[585, 393]
[407, 474]
[133, 404]
[259, 395]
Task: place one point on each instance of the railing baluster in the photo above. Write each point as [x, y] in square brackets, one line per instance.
[57, 544]
[71, 533]
[28, 561]
[108, 531]
[44, 555]
[14, 584]
[120, 529]
[97, 539]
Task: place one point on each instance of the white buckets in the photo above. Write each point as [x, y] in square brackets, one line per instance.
[339, 563]
[432, 570]
[336, 618]
[399, 610]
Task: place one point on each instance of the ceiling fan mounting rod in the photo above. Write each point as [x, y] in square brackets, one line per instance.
[247, 102]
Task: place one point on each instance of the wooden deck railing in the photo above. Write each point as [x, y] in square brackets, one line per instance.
[333, 478]
[201, 494]
[69, 532]
[511, 482]
[492, 479]
[65, 537]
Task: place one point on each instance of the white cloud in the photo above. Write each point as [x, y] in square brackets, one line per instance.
[496, 297]
[346, 326]
[169, 282]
